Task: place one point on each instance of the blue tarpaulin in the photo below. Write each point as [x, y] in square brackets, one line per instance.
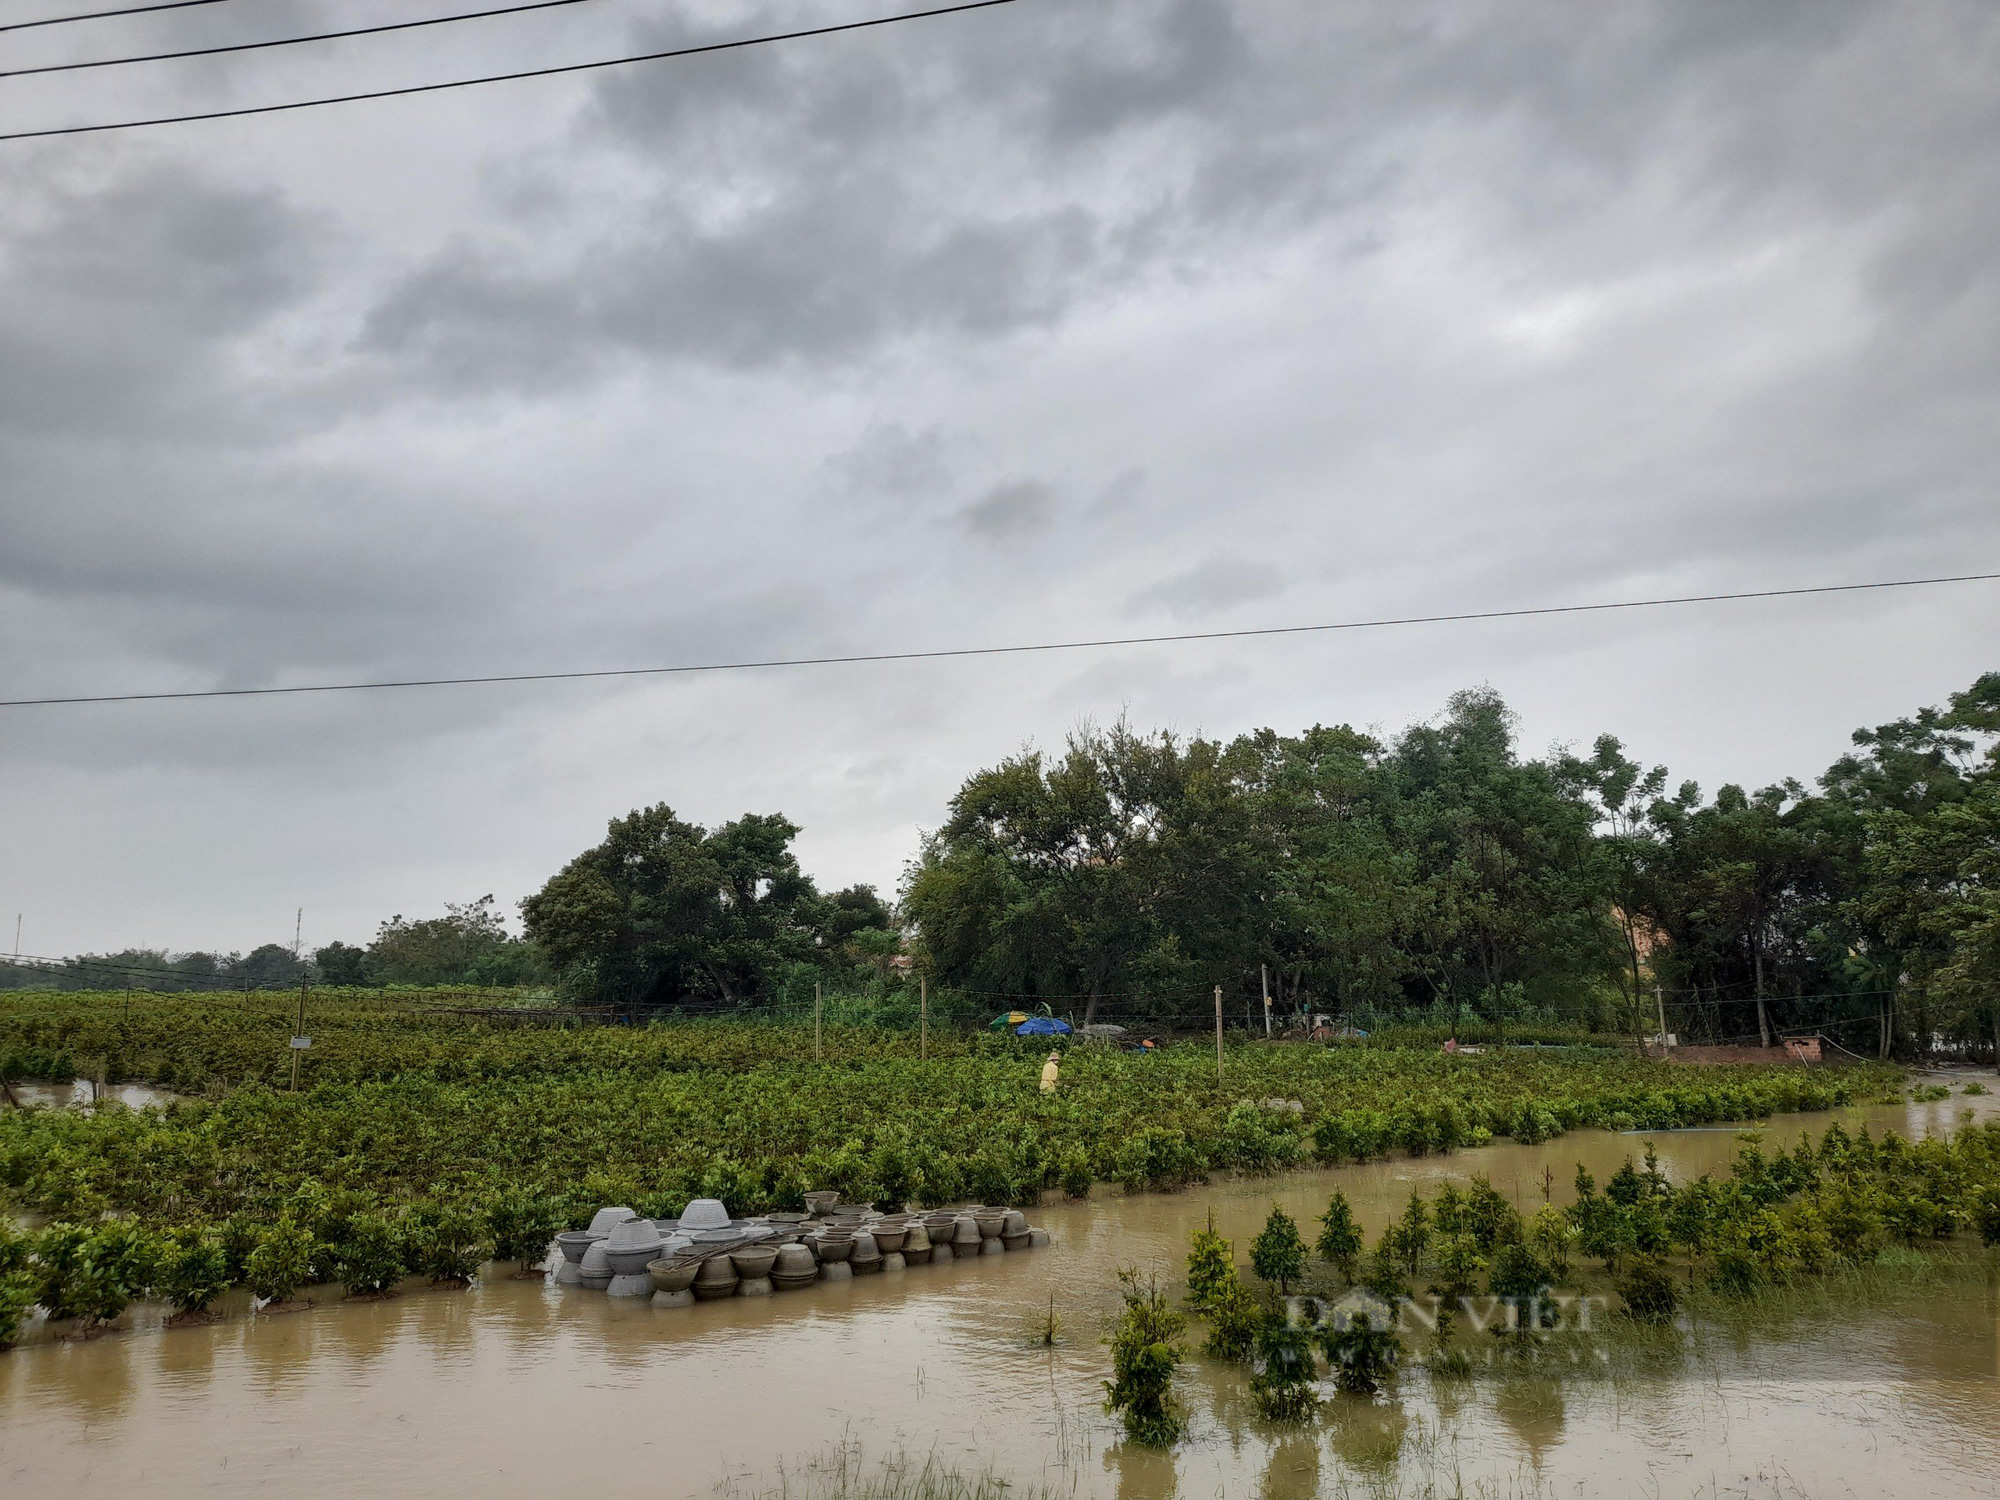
[1042, 1026]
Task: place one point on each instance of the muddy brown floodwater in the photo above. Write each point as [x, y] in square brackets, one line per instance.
[517, 1389]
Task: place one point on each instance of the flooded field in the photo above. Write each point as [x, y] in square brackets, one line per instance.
[514, 1388]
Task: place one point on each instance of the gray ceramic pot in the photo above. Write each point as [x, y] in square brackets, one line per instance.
[594, 1270]
[716, 1279]
[835, 1248]
[573, 1242]
[753, 1263]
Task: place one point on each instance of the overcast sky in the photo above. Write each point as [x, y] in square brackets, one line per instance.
[1073, 317]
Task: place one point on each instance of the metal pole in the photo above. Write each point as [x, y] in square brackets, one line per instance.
[923, 1016]
[1264, 983]
[1218, 1033]
[1660, 1005]
[297, 1032]
[816, 1010]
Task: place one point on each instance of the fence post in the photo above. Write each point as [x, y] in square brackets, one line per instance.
[816, 1010]
[1660, 1004]
[923, 1016]
[1264, 983]
[298, 1031]
[1218, 1033]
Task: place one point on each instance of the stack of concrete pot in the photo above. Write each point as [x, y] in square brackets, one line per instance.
[705, 1255]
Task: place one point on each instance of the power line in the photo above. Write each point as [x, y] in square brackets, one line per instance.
[99, 15]
[550, 72]
[286, 41]
[1020, 650]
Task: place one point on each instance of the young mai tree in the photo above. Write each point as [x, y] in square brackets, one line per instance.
[1145, 1352]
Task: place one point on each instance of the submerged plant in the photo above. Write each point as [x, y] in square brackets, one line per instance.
[1145, 1352]
[1278, 1254]
[1282, 1386]
[1340, 1242]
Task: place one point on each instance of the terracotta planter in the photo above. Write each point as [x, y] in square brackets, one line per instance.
[673, 1275]
[715, 1280]
[754, 1262]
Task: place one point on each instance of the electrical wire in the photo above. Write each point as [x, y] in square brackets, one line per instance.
[549, 72]
[99, 15]
[968, 651]
[286, 41]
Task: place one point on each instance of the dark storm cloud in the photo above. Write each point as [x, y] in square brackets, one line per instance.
[1213, 585]
[1019, 508]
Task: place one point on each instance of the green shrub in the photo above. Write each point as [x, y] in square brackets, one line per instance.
[1649, 1292]
[280, 1262]
[1361, 1346]
[19, 1291]
[92, 1272]
[370, 1256]
[1211, 1267]
[1278, 1254]
[522, 1221]
[1339, 1243]
[194, 1269]
[1282, 1386]
[446, 1241]
[1145, 1352]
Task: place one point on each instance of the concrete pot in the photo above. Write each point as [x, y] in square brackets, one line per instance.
[793, 1268]
[1015, 1222]
[990, 1221]
[632, 1246]
[787, 1219]
[673, 1299]
[940, 1226]
[821, 1201]
[607, 1219]
[836, 1270]
[1037, 1238]
[573, 1242]
[1016, 1241]
[965, 1236]
[715, 1280]
[835, 1248]
[888, 1236]
[704, 1213]
[893, 1261]
[753, 1263]
[917, 1245]
[866, 1258]
[634, 1284]
[754, 1286]
[994, 1246]
[594, 1270]
[672, 1276]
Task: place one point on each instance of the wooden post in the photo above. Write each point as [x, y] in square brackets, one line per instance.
[923, 1016]
[1218, 1033]
[298, 1031]
[1660, 1005]
[817, 999]
[1264, 983]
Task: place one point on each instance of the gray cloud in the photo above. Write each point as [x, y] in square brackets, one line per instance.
[750, 356]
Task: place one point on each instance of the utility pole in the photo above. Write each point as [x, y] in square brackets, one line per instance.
[300, 1041]
[1218, 1033]
[923, 1016]
[298, 927]
[1264, 983]
[817, 1000]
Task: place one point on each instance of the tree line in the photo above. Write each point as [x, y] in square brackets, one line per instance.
[1439, 872]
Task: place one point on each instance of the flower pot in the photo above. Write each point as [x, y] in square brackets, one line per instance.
[673, 1299]
[965, 1236]
[836, 1270]
[794, 1267]
[630, 1284]
[888, 1237]
[990, 1221]
[754, 1286]
[716, 1279]
[1015, 1222]
[594, 1270]
[866, 1257]
[753, 1262]
[632, 1245]
[819, 1202]
[573, 1242]
[705, 1213]
[835, 1248]
[607, 1219]
[786, 1218]
[893, 1261]
[1016, 1241]
[1037, 1238]
[673, 1275]
[994, 1246]
[917, 1245]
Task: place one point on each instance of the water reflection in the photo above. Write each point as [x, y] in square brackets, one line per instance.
[1292, 1472]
